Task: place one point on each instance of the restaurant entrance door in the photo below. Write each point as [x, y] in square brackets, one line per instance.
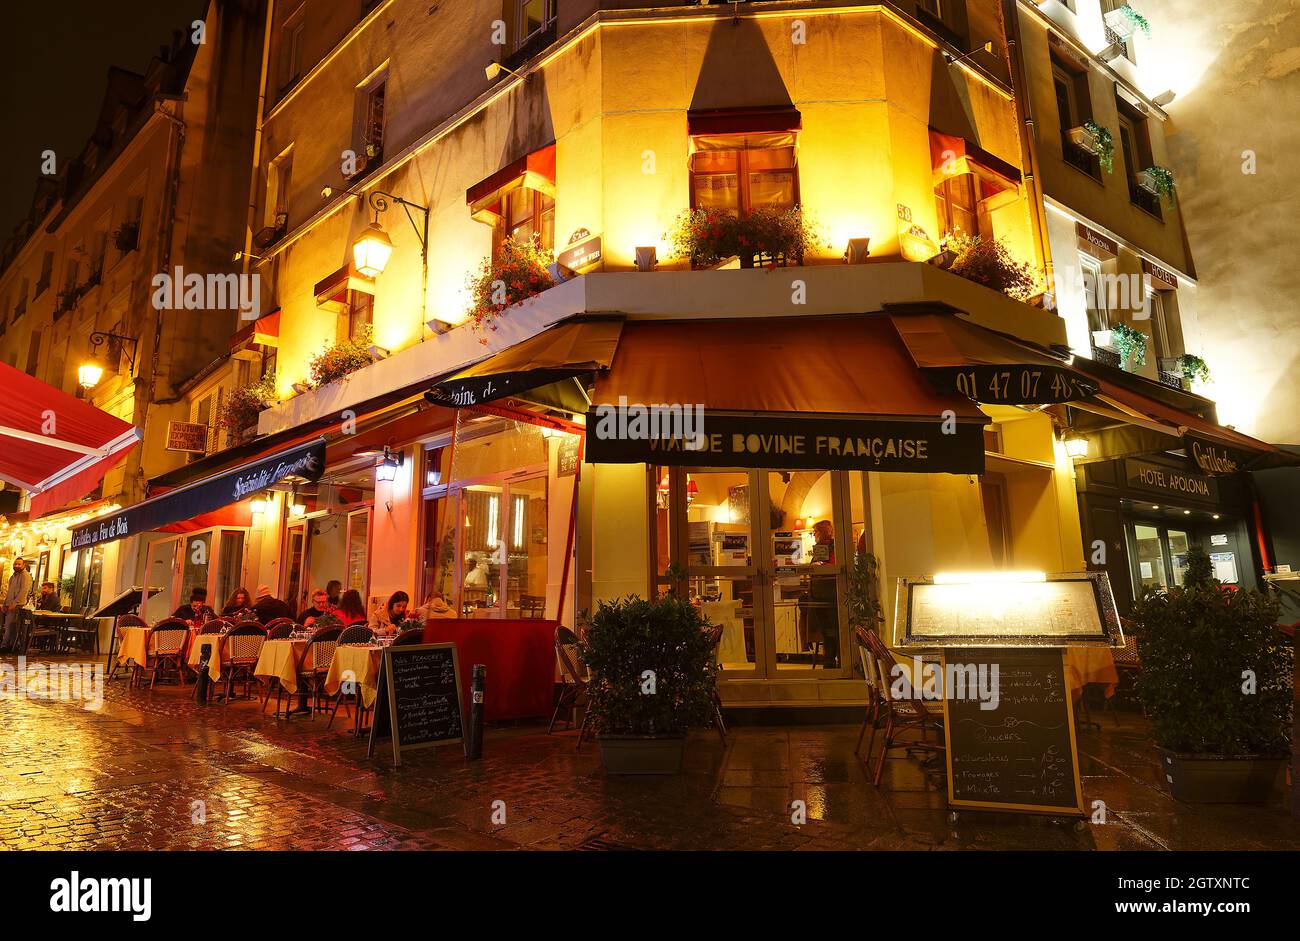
[765, 554]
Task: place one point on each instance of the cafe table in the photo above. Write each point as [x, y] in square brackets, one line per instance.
[279, 661]
[133, 645]
[216, 661]
[1084, 665]
[59, 620]
[359, 663]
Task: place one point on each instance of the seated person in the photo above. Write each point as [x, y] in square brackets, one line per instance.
[268, 607]
[351, 609]
[239, 606]
[320, 604]
[49, 599]
[393, 616]
[435, 607]
[197, 611]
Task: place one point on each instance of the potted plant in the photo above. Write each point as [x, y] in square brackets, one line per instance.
[241, 409]
[1129, 342]
[1097, 141]
[706, 237]
[1193, 368]
[1125, 21]
[653, 676]
[1158, 181]
[341, 359]
[517, 272]
[126, 237]
[772, 235]
[1216, 680]
[990, 263]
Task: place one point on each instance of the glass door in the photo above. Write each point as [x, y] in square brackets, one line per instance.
[295, 545]
[358, 542]
[161, 571]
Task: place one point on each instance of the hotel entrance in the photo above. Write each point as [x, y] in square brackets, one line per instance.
[765, 554]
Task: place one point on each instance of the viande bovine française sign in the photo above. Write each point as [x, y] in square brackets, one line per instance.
[306, 461]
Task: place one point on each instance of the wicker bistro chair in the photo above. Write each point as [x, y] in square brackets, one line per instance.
[243, 646]
[277, 623]
[876, 705]
[719, 723]
[283, 630]
[126, 620]
[412, 635]
[901, 715]
[166, 647]
[315, 664]
[573, 680]
[356, 634]
[215, 626]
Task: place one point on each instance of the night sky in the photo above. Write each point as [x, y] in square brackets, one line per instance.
[56, 57]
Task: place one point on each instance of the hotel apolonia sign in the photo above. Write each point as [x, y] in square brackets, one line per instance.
[1165, 480]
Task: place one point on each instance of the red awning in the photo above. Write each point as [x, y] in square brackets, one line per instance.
[53, 445]
[264, 331]
[743, 121]
[536, 171]
[951, 155]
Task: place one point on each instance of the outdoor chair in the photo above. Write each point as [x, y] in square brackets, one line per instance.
[243, 647]
[46, 637]
[719, 723]
[573, 680]
[164, 651]
[277, 623]
[25, 626]
[1128, 664]
[126, 620]
[215, 626]
[315, 664]
[532, 606]
[356, 634]
[283, 630]
[84, 635]
[902, 716]
[412, 635]
[875, 701]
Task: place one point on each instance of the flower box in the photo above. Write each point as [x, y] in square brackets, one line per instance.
[1083, 137]
[1125, 21]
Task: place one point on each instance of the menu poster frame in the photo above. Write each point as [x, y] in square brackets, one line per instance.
[386, 701]
[1111, 634]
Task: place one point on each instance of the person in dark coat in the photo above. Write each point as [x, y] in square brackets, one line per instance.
[268, 607]
[197, 610]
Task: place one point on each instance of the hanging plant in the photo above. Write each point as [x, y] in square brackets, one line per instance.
[1105, 145]
[1135, 19]
[519, 271]
[1161, 180]
[341, 359]
[243, 406]
[705, 236]
[1129, 341]
[1193, 368]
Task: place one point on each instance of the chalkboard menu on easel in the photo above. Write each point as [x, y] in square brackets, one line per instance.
[417, 703]
[1021, 755]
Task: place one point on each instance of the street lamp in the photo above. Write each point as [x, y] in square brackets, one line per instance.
[373, 248]
[92, 371]
[1076, 445]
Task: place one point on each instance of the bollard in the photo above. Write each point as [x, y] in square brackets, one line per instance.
[474, 743]
[201, 685]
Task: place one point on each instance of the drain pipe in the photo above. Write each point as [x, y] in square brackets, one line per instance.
[258, 135]
[1028, 141]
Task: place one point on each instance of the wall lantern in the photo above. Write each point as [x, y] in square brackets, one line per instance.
[858, 251]
[387, 468]
[371, 251]
[92, 371]
[647, 257]
[260, 504]
[1076, 445]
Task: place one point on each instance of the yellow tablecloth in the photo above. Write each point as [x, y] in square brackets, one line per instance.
[1091, 665]
[219, 657]
[279, 660]
[358, 663]
[133, 645]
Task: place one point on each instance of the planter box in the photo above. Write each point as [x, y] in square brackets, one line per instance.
[1212, 779]
[944, 259]
[642, 754]
[1084, 138]
[1101, 338]
[1147, 182]
[1120, 25]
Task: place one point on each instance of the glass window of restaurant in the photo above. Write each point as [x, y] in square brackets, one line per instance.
[765, 554]
[327, 535]
[485, 518]
[212, 559]
[742, 172]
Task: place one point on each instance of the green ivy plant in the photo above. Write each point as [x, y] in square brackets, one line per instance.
[1163, 179]
[1193, 368]
[1129, 341]
[863, 599]
[1137, 19]
[667, 637]
[1201, 647]
[1105, 145]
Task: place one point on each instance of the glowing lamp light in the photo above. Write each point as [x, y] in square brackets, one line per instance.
[298, 509]
[692, 491]
[89, 374]
[372, 250]
[386, 470]
[1076, 446]
[988, 578]
[259, 504]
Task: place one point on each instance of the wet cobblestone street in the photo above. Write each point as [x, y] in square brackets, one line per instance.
[153, 770]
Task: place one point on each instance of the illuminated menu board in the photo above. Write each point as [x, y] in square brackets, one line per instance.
[1064, 610]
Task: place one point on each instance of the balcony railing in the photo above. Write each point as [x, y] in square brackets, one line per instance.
[1107, 357]
[1079, 158]
[1144, 199]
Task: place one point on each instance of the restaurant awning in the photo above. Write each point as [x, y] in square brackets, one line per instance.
[56, 447]
[801, 392]
[1210, 447]
[951, 155]
[536, 171]
[306, 461]
[560, 353]
[721, 121]
[985, 366]
[265, 331]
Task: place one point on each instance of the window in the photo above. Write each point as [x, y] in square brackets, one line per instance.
[372, 97]
[1159, 329]
[358, 318]
[739, 173]
[34, 353]
[930, 6]
[1112, 37]
[1094, 292]
[958, 205]
[1074, 109]
[993, 491]
[277, 190]
[291, 48]
[1135, 141]
[534, 16]
[527, 213]
[47, 273]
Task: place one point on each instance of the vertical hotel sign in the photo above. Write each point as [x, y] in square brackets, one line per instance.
[306, 461]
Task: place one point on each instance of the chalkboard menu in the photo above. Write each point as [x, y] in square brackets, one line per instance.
[418, 699]
[1022, 754]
